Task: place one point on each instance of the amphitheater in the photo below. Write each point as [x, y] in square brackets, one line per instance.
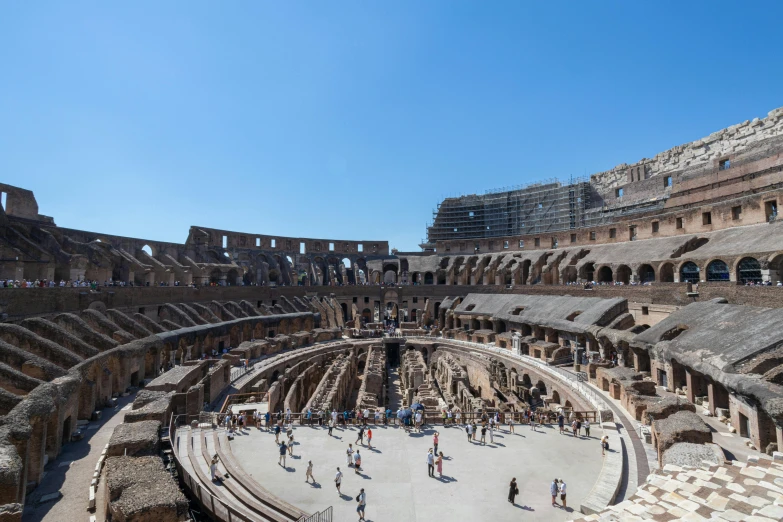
[646, 300]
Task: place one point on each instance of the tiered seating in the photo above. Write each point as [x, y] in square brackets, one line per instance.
[243, 495]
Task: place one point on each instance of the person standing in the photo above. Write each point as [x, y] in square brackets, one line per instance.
[604, 444]
[357, 462]
[361, 498]
[587, 428]
[439, 464]
[349, 455]
[309, 474]
[277, 434]
[267, 417]
[283, 450]
[338, 479]
[511, 423]
[513, 490]
[213, 468]
[469, 430]
[291, 445]
[563, 493]
[435, 438]
[483, 435]
[475, 429]
[573, 427]
[491, 433]
[553, 489]
[561, 423]
[430, 464]
[369, 438]
[331, 427]
[578, 428]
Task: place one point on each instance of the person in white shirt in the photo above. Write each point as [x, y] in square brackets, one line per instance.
[361, 498]
[338, 479]
[563, 493]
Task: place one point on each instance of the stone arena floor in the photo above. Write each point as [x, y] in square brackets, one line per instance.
[475, 478]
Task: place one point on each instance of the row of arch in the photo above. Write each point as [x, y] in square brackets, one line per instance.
[748, 270]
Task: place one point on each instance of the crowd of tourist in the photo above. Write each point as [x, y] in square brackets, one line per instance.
[478, 426]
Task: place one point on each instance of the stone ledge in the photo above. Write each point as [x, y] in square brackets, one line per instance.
[609, 480]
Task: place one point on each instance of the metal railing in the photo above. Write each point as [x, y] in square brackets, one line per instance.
[323, 516]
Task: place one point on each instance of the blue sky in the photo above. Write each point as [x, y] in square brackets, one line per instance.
[352, 120]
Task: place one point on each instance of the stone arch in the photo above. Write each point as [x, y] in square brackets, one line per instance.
[748, 270]
[690, 272]
[526, 381]
[587, 272]
[623, 274]
[646, 273]
[148, 250]
[555, 396]
[666, 273]
[428, 278]
[604, 274]
[717, 270]
[541, 386]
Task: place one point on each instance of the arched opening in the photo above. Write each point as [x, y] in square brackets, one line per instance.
[441, 277]
[673, 332]
[274, 275]
[588, 272]
[605, 275]
[214, 276]
[667, 273]
[525, 272]
[717, 270]
[345, 311]
[428, 278]
[624, 274]
[541, 387]
[689, 273]
[147, 249]
[749, 270]
[232, 276]
[346, 262]
[555, 396]
[646, 274]
[366, 316]
[390, 277]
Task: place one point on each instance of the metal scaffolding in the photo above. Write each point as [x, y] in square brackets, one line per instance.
[541, 207]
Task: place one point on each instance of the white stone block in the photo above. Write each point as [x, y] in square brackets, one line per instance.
[753, 459]
[92, 497]
[777, 456]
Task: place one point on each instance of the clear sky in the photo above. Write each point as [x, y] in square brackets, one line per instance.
[352, 120]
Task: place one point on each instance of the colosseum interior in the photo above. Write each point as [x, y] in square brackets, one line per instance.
[646, 299]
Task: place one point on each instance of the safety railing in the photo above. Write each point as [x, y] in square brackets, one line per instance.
[323, 516]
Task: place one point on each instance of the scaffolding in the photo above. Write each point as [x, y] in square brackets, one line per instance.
[538, 208]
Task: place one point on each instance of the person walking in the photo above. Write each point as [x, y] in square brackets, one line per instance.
[513, 490]
[553, 489]
[587, 428]
[357, 462]
[469, 431]
[349, 455]
[369, 438]
[361, 498]
[360, 437]
[331, 427]
[578, 428]
[474, 430]
[573, 427]
[291, 445]
[491, 433]
[604, 444]
[309, 474]
[283, 450]
[511, 423]
[430, 463]
[439, 464]
[483, 435]
[338, 479]
[532, 421]
[213, 468]
[563, 493]
[435, 438]
[561, 423]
